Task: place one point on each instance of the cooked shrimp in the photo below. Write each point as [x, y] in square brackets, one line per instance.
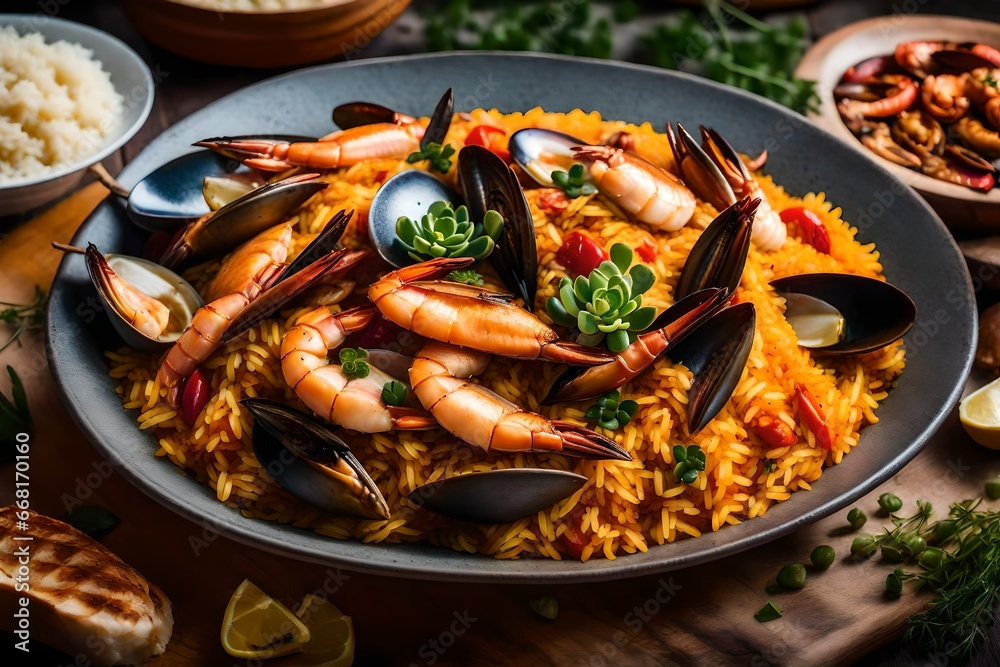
[978, 137]
[645, 191]
[944, 97]
[352, 402]
[340, 149]
[263, 257]
[470, 316]
[479, 416]
[149, 316]
[992, 112]
[901, 95]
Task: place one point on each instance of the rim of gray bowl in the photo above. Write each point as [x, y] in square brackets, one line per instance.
[116, 58]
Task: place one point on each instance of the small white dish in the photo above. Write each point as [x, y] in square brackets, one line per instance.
[130, 77]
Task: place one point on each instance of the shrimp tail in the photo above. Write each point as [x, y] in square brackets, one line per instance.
[584, 443]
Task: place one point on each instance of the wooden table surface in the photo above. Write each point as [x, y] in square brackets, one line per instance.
[702, 615]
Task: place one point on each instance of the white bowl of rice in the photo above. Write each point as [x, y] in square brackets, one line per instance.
[70, 95]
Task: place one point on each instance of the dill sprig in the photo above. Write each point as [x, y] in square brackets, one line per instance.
[24, 317]
[967, 581]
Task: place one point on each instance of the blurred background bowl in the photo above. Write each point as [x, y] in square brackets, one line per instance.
[130, 77]
[265, 39]
[826, 62]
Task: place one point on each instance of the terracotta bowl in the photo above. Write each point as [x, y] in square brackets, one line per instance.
[828, 59]
[335, 29]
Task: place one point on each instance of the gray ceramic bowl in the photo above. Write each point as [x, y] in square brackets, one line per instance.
[918, 254]
[130, 77]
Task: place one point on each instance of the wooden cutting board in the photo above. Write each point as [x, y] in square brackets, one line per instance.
[703, 615]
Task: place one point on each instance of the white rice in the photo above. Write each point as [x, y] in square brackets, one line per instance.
[57, 105]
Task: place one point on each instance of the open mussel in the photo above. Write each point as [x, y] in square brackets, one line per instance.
[716, 354]
[836, 314]
[240, 220]
[497, 496]
[306, 459]
[539, 152]
[489, 186]
[149, 305]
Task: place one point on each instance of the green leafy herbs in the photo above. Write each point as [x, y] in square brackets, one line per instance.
[93, 520]
[467, 276]
[394, 393]
[990, 81]
[545, 606]
[962, 566]
[23, 317]
[572, 182]
[770, 465]
[354, 362]
[760, 58]
[688, 463]
[14, 416]
[510, 25]
[448, 232]
[607, 303]
[437, 155]
[769, 612]
[611, 412]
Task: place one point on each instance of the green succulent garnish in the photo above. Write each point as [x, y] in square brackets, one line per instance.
[394, 393]
[688, 463]
[439, 156]
[354, 362]
[607, 303]
[572, 182]
[611, 412]
[448, 232]
[467, 276]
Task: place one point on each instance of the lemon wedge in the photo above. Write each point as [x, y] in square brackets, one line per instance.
[258, 626]
[332, 643]
[980, 415]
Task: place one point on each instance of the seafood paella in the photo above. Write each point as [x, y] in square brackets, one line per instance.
[931, 106]
[528, 334]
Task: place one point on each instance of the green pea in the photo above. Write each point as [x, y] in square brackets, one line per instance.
[857, 518]
[913, 545]
[993, 488]
[792, 575]
[945, 530]
[890, 502]
[930, 558]
[823, 556]
[892, 553]
[863, 545]
[893, 585]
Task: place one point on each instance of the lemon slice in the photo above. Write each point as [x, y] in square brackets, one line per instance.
[258, 626]
[980, 415]
[332, 643]
[219, 191]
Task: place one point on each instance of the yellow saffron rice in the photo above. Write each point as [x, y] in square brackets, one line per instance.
[625, 506]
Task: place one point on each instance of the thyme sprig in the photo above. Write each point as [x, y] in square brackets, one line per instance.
[24, 317]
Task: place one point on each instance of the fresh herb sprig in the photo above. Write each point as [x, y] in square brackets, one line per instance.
[572, 182]
[902, 542]
[611, 412]
[510, 25]
[760, 59]
[354, 362]
[966, 578]
[439, 156]
[394, 393]
[14, 415]
[24, 317]
[688, 463]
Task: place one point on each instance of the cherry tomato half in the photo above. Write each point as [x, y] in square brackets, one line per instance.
[490, 138]
[580, 254]
[810, 226]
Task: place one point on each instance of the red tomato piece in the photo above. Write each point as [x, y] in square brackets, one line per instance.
[574, 541]
[490, 138]
[810, 227]
[647, 251]
[773, 431]
[813, 417]
[580, 254]
[195, 396]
